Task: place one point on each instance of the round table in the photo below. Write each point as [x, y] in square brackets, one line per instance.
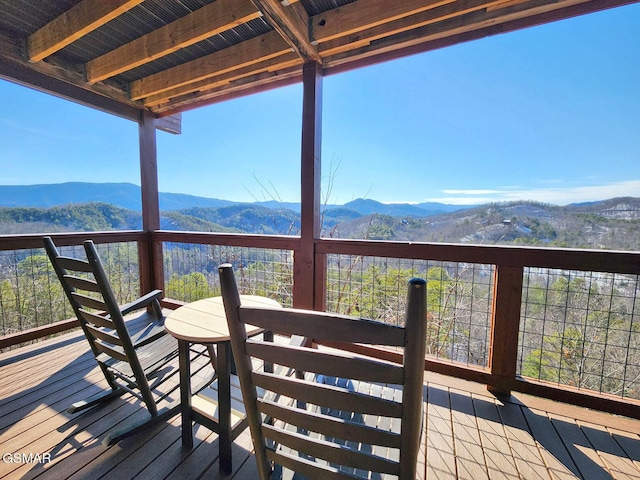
[204, 322]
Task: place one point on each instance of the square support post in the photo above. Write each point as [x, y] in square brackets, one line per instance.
[151, 267]
[505, 328]
[304, 262]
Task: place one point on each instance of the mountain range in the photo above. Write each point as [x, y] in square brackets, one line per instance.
[127, 195]
[611, 224]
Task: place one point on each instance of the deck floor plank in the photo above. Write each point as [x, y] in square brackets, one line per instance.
[582, 452]
[440, 456]
[468, 433]
[526, 454]
[610, 452]
[470, 458]
[496, 448]
[629, 443]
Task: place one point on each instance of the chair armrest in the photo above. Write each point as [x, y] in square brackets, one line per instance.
[148, 334]
[141, 302]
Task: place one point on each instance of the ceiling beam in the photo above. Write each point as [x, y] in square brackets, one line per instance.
[203, 23]
[293, 24]
[263, 47]
[399, 25]
[468, 26]
[176, 94]
[364, 14]
[282, 68]
[62, 81]
[22, 73]
[241, 87]
[76, 22]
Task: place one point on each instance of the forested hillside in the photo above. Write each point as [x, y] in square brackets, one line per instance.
[613, 224]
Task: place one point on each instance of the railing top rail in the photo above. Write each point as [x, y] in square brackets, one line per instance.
[541, 257]
[20, 242]
[233, 239]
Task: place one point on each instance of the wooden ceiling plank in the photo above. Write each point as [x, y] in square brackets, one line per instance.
[203, 23]
[292, 22]
[365, 14]
[283, 61]
[263, 47]
[76, 22]
[420, 19]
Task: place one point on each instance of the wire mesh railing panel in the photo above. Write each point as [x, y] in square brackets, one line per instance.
[459, 299]
[191, 271]
[581, 329]
[32, 296]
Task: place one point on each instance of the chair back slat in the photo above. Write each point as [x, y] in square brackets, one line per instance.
[82, 283]
[329, 451]
[324, 326]
[337, 364]
[96, 319]
[352, 431]
[113, 352]
[327, 412]
[89, 302]
[329, 396]
[74, 264]
[309, 468]
[104, 335]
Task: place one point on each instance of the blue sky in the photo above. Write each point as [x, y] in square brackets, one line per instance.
[551, 114]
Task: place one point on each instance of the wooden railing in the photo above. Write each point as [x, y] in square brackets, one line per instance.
[508, 266]
[33, 243]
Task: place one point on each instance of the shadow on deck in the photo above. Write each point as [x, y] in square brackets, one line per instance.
[468, 432]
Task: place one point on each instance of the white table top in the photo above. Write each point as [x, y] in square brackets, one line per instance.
[204, 321]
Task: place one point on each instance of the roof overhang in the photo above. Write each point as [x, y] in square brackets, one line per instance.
[124, 56]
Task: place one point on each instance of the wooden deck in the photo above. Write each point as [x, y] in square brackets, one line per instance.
[469, 433]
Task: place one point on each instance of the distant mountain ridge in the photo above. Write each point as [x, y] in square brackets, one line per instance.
[123, 195]
[127, 195]
[610, 224]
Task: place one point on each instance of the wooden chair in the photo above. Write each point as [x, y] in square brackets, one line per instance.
[341, 415]
[133, 355]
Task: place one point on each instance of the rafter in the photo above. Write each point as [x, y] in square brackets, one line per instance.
[420, 19]
[364, 14]
[76, 22]
[454, 29]
[209, 88]
[205, 22]
[292, 22]
[269, 65]
[243, 86]
[263, 47]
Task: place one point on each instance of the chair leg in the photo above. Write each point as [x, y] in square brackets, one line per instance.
[135, 426]
[212, 356]
[96, 399]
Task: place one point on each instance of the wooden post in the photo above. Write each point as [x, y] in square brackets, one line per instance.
[151, 267]
[505, 327]
[304, 260]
